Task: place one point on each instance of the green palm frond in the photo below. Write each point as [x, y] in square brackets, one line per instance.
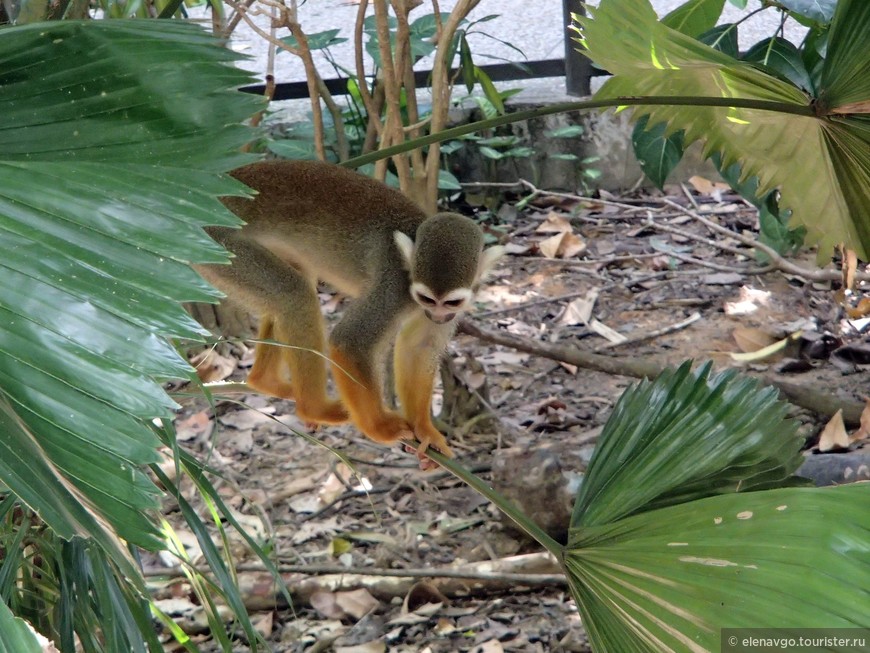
[816, 150]
[114, 135]
[687, 522]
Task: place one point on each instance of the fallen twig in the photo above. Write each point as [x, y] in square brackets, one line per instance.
[693, 236]
[694, 317]
[535, 302]
[777, 261]
[260, 592]
[719, 268]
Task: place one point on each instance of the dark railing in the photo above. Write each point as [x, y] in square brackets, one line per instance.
[575, 68]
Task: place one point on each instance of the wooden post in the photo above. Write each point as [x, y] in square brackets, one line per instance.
[577, 67]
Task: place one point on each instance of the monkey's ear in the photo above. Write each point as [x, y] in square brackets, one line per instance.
[406, 248]
[488, 259]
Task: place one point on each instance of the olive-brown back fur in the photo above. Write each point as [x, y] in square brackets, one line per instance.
[320, 216]
[321, 195]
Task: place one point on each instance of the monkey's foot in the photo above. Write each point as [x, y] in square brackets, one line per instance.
[386, 428]
[328, 411]
[270, 386]
[429, 436]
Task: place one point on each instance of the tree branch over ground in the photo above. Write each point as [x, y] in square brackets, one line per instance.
[817, 401]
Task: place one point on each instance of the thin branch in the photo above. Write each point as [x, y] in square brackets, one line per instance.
[303, 52]
[393, 133]
[535, 302]
[311, 76]
[236, 17]
[818, 401]
[655, 333]
[692, 236]
[374, 112]
[341, 142]
[405, 77]
[536, 580]
[523, 183]
[720, 268]
[441, 92]
[777, 261]
[490, 573]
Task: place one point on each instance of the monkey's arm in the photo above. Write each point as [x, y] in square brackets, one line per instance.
[357, 347]
[419, 347]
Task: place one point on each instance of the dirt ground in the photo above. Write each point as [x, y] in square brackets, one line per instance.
[585, 274]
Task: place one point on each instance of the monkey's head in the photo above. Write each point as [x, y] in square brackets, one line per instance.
[446, 262]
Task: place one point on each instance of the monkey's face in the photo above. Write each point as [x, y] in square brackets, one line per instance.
[441, 309]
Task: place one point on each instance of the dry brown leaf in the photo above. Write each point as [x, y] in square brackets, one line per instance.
[490, 646]
[306, 502]
[198, 426]
[707, 187]
[562, 245]
[834, 434]
[661, 262]
[246, 419]
[332, 487]
[238, 441]
[572, 245]
[264, 624]
[422, 594]
[444, 627]
[516, 249]
[550, 246]
[375, 646]
[579, 311]
[750, 339]
[748, 301]
[554, 223]
[863, 432]
[505, 358]
[612, 335]
[722, 279]
[859, 311]
[313, 529]
[356, 603]
[850, 266]
[326, 604]
[210, 366]
[474, 379]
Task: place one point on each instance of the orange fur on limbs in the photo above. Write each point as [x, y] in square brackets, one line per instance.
[411, 276]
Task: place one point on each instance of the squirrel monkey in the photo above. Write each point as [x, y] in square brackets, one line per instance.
[411, 275]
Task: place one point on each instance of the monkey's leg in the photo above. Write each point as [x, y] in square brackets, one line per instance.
[358, 344]
[286, 301]
[269, 370]
[303, 329]
[418, 349]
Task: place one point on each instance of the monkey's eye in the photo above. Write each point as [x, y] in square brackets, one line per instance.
[425, 300]
[454, 303]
